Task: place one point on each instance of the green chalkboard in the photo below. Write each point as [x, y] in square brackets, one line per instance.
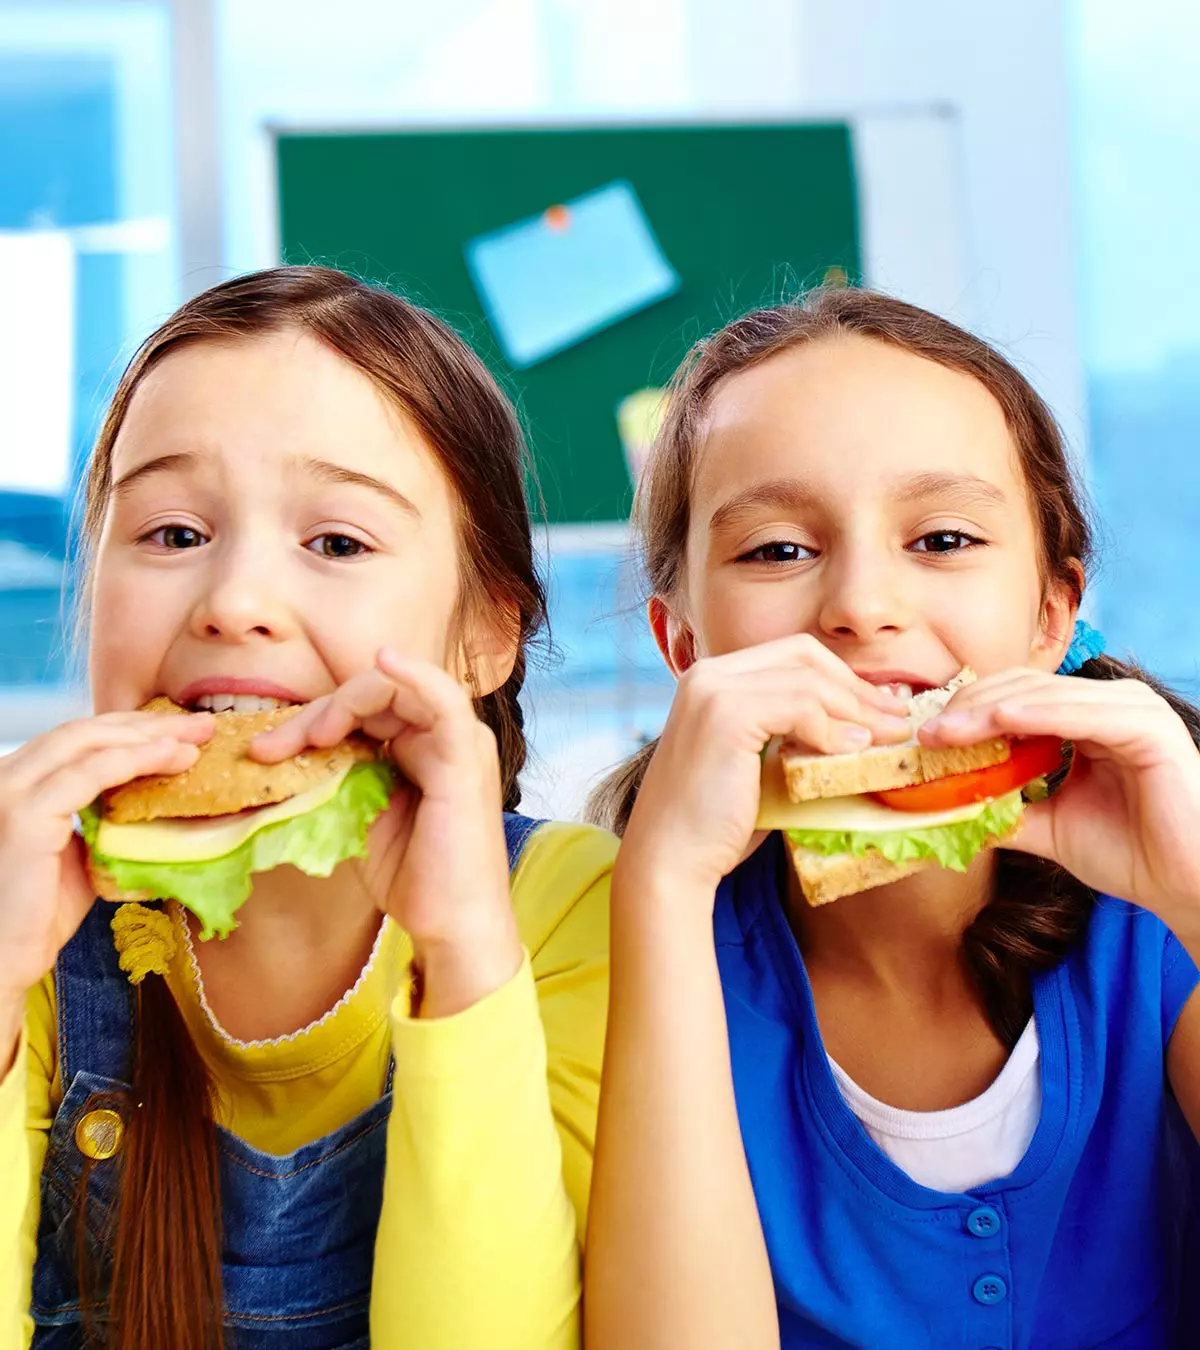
[745, 214]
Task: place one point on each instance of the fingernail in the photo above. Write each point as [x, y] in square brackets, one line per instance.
[855, 738]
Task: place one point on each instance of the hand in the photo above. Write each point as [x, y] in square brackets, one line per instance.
[43, 785]
[1127, 819]
[696, 809]
[437, 862]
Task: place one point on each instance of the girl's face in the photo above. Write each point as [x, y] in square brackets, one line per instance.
[274, 521]
[874, 499]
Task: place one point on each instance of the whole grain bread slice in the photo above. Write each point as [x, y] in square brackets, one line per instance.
[812, 777]
[825, 877]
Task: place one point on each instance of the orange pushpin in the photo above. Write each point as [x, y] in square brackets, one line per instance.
[557, 218]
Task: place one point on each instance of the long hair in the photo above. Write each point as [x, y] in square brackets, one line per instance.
[1038, 909]
[166, 1254]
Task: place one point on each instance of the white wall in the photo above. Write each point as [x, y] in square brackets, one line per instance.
[1004, 69]
[994, 74]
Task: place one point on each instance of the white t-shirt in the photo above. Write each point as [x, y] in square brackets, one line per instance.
[980, 1141]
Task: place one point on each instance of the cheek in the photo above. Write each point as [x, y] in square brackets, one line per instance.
[996, 628]
[126, 640]
[412, 607]
[731, 616]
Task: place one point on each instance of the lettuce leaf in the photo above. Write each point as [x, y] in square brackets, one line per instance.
[315, 842]
[952, 846]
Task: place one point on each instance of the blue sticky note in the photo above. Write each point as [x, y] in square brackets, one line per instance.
[554, 279]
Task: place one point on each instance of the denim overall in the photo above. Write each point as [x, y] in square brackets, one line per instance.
[299, 1230]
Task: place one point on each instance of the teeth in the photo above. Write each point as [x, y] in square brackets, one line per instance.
[901, 690]
[237, 703]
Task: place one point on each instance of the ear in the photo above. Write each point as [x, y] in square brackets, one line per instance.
[489, 650]
[1056, 624]
[675, 639]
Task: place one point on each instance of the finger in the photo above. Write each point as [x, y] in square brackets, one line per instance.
[745, 714]
[398, 696]
[428, 700]
[325, 721]
[802, 649]
[47, 754]
[842, 707]
[1123, 725]
[67, 792]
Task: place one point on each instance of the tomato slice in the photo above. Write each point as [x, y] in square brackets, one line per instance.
[1030, 759]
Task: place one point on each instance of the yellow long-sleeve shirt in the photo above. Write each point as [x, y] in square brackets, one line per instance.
[489, 1143]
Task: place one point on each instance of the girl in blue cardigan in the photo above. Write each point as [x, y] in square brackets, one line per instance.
[958, 1110]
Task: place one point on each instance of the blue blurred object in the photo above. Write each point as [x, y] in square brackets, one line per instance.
[85, 112]
[554, 279]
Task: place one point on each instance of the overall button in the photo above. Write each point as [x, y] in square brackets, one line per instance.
[983, 1222]
[98, 1134]
[989, 1289]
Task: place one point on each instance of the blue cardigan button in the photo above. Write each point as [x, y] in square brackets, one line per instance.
[983, 1222]
[989, 1290]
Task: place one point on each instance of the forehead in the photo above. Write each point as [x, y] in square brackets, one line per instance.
[853, 417]
[265, 402]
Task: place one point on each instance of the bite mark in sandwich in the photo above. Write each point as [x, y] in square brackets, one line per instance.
[198, 836]
[856, 821]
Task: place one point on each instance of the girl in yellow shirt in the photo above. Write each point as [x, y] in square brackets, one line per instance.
[367, 1116]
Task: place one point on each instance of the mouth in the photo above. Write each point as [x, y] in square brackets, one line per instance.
[901, 683]
[223, 694]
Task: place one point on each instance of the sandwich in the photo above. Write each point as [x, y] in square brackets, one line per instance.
[856, 821]
[198, 836]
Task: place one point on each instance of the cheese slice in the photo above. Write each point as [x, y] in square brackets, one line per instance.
[777, 811]
[173, 840]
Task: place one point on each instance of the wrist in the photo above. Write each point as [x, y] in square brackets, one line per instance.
[457, 970]
[649, 889]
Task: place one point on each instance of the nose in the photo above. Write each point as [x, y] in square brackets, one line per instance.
[239, 601]
[863, 598]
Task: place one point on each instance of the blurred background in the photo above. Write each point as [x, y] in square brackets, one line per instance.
[583, 187]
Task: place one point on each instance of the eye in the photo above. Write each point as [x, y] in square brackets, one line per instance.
[334, 545]
[173, 538]
[779, 551]
[945, 541]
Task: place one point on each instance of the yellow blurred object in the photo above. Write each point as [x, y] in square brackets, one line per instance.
[639, 418]
[145, 941]
[98, 1134]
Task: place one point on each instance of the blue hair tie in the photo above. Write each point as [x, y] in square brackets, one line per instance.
[1086, 645]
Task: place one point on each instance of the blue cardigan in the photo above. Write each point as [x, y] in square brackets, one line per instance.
[1091, 1241]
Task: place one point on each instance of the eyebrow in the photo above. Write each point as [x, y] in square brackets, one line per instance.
[786, 494]
[183, 459]
[320, 469]
[959, 489]
[325, 472]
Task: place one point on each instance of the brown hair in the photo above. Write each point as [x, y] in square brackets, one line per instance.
[1038, 909]
[167, 1248]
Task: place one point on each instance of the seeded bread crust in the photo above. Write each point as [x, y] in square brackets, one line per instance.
[825, 877]
[223, 780]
